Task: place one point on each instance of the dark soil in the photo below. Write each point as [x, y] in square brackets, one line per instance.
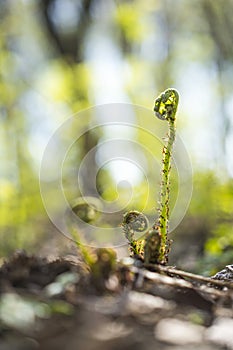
[63, 304]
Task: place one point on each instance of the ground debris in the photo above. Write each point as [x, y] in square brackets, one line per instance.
[225, 275]
[135, 308]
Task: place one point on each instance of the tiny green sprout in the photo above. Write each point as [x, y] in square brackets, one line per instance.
[134, 223]
[165, 108]
[101, 261]
[88, 209]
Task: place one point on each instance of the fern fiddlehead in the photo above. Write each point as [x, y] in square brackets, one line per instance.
[134, 223]
[165, 108]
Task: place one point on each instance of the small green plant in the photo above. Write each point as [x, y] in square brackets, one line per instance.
[87, 209]
[99, 261]
[154, 246]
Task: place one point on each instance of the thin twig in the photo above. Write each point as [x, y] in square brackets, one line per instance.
[171, 270]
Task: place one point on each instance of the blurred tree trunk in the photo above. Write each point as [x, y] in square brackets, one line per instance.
[167, 27]
[70, 48]
[218, 15]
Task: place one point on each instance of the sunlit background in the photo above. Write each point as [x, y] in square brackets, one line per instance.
[58, 58]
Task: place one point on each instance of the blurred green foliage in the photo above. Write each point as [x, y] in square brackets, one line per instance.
[54, 61]
[212, 202]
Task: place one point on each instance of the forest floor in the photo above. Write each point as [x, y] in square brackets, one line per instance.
[62, 304]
